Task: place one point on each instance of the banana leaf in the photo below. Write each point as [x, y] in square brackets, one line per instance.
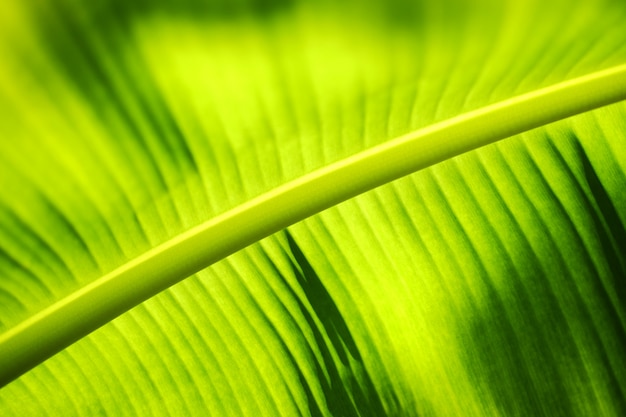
[379, 208]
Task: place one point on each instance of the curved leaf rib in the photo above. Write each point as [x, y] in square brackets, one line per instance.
[68, 320]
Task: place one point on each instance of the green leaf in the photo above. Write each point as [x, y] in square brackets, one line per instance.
[489, 284]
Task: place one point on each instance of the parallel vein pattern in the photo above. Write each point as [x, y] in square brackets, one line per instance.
[491, 284]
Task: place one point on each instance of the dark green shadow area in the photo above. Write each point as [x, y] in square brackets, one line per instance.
[610, 228]
[524, 355]
[354, 393]
[507, 364]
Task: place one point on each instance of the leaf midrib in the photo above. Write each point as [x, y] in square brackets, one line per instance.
[73, 317]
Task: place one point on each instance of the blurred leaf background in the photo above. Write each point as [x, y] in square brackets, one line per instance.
[489, 285]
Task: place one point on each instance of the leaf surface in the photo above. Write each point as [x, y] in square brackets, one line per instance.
[490, 284]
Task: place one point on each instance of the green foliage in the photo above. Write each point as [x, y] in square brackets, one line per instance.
[489, 284]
